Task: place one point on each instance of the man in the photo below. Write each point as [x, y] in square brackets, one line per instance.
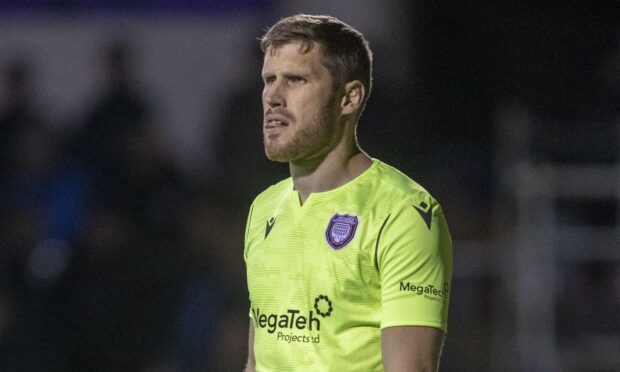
[348, 261]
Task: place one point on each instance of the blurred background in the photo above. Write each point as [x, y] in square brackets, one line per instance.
[130, 151]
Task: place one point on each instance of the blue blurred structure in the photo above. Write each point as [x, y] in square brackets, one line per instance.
[208, 7]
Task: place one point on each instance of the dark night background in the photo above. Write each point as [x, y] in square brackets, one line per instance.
[130, 151]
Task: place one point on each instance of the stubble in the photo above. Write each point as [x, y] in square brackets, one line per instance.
[310, 141]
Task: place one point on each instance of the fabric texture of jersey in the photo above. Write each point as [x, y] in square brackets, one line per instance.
[325, 277]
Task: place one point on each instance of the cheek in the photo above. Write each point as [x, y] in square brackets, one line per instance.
[311, 106]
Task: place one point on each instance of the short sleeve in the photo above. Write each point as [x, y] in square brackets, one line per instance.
[245, 246]
[247, 233]
[414, 258]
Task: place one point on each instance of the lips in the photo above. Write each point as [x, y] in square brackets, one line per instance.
[276, 118]
[274, 121]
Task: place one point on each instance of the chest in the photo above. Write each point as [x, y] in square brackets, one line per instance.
[298, 255]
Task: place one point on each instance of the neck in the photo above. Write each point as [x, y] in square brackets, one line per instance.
[339, 166]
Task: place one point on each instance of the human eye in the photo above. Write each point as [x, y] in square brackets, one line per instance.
[269, 79]
[295, 79]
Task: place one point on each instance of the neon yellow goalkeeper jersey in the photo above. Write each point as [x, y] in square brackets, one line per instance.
[325, 277]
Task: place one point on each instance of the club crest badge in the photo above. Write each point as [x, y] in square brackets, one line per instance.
[341, 230]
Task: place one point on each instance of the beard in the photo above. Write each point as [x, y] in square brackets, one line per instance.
[309, 142]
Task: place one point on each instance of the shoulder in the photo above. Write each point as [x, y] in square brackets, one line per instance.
[415, 234]
[263, 206]
[399, 189]
[270, 197]
[274, 192]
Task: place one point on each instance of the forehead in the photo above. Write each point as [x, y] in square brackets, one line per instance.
[294, 55]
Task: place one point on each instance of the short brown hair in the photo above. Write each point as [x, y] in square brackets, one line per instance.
[345, 50]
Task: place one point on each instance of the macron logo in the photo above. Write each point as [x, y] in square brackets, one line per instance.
[269, 226]
[426, 212]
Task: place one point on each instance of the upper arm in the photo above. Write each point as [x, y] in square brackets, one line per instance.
[414, 260]
[251, 362]
[247, 232]
[413, 348]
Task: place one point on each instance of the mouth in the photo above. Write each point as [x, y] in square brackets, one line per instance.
[271, 123]
[275, 124]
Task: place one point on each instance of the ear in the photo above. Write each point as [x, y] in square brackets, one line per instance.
[353, 97]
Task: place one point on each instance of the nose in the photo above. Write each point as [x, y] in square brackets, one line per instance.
[273, 95]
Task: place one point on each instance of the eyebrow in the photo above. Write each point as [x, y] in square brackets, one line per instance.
[287, 75]
[293, 74]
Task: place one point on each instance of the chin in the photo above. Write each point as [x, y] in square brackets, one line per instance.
[277, 156]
